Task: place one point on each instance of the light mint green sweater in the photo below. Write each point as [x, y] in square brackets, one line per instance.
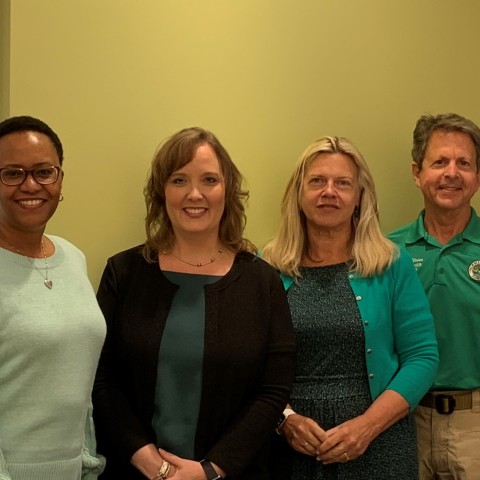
[50, 342]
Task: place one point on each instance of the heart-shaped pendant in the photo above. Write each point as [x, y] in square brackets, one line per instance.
[48, 284]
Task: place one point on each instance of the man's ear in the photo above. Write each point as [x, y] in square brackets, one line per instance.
[415, 173]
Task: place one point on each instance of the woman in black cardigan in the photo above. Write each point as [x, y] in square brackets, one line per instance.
[198, 361]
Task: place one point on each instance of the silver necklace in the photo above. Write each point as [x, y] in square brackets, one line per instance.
[47, 282]
[198, 265]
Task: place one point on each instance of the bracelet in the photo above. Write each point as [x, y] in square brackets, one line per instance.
[163, 472]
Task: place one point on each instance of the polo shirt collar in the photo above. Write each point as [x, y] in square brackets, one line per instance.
[417, 230]
[471, 232]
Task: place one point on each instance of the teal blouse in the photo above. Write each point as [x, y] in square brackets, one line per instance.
[180, 361]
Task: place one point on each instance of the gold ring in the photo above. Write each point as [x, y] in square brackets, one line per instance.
[347, 458]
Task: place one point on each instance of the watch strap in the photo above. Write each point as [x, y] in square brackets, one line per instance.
[210, 472]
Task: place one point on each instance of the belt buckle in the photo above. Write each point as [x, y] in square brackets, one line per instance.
[445, 404]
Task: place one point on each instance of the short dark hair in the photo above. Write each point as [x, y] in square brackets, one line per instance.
[25, 123]
[446, 122]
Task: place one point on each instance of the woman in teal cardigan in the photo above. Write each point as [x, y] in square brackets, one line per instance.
[366, 347]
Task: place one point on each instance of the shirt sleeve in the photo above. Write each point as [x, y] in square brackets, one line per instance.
[414, 333]
[120, 433]
[4, 475]
[251, 428]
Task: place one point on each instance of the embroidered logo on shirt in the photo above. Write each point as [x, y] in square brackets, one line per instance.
[474, 270]
[417, 262]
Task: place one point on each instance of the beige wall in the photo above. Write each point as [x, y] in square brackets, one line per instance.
[114, 77]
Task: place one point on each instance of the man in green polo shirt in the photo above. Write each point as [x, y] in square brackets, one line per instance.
[444, 243]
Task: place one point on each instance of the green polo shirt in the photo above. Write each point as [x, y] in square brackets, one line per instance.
[451, 279]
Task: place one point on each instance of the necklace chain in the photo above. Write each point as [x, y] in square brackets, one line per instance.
[198, 265]
[48, 283]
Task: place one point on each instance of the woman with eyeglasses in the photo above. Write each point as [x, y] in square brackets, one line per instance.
[198, 360]
[51, 328]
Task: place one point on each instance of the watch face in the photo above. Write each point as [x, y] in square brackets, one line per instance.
[280, 420]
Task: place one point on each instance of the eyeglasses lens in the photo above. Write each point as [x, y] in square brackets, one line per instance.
[16, 176]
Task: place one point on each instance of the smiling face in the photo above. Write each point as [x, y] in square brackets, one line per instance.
[195, 195]
[29, 206]
[449, 177]
[330, 192]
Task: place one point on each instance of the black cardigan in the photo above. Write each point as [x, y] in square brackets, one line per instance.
[248, 363]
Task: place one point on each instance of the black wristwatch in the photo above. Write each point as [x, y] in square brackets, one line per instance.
[210, 472]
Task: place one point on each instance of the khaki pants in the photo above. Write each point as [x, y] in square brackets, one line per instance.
[449, 445]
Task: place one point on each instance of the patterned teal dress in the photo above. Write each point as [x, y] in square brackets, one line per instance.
[331, 384]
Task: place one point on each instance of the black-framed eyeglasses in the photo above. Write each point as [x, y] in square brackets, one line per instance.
[16, 176]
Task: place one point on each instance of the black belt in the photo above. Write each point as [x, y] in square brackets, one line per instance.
[447, 402]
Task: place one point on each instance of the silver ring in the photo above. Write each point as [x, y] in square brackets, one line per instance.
[347, 458]
[305, 444]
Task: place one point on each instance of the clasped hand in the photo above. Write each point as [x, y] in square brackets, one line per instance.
[342, 443]
[183, 469]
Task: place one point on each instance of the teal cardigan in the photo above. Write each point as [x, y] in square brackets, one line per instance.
[400, 344]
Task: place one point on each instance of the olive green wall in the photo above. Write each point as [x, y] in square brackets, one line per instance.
[4, 58]
[115, 77]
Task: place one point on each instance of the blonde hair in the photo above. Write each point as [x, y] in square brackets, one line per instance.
[173, 154]
[371, 251]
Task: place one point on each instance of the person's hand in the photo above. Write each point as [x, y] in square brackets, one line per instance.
[303, 434]
[346, 441]
[147, 460]
[185, 469]
[350, 439]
